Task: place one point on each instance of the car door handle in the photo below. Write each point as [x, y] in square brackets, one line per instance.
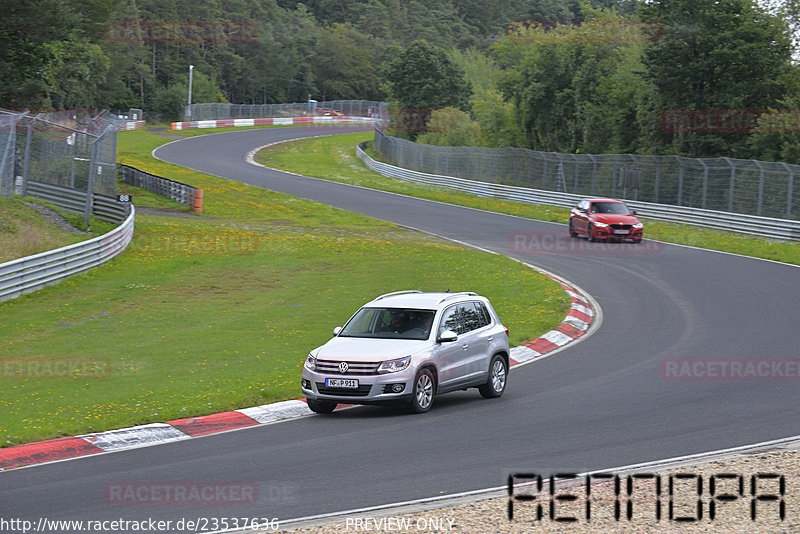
[491, 338]
[465, 346]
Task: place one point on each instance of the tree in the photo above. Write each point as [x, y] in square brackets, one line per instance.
[451, 127]
[545, 97]
[39, 44]
[716, 55]
[345, 64]
[422, 78]
[168, 102]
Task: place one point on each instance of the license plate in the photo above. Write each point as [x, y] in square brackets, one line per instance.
[344, 383]
[622, 231]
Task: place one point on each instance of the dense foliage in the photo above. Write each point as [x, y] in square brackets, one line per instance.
[558, 75]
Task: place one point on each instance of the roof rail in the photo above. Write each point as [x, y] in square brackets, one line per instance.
[459, 294]
[398, 293]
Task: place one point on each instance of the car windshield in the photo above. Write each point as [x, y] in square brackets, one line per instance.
[390, 323]
[610, 207]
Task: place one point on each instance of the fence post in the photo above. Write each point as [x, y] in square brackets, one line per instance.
[789, 192]
[72, 160]
[544, 170]
[680, 181]
[576, 162]
[8, 155]
[705, 183]
[760, 186]
[732, 184]
[87, 211]
[614, 176]
[26, 165]
[594, 174]
[658, 177]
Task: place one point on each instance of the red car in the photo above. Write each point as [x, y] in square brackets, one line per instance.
[327, 112]
[605, 218]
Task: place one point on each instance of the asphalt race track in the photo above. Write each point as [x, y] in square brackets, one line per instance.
[602, 403]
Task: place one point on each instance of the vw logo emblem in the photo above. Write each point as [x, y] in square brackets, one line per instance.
[343, 367]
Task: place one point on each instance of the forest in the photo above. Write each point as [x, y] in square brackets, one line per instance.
[686, 77]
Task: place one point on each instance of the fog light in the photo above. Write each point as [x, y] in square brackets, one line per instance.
[397, 388]
[306, 384]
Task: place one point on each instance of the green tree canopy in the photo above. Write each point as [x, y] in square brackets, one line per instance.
[422, 78]
[716, 55]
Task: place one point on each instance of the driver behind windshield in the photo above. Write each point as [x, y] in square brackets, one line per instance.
[398, 322]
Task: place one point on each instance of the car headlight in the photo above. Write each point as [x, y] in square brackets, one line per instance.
[601, 224]
[311, 363]
[638, 225]
[393, 366]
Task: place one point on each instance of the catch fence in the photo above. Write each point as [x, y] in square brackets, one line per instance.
[351, 108]
[768, 189]
[74, 149]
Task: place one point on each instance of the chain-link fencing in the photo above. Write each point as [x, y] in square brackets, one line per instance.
[754, 187]
[350, 108]
[70, 149]
[9, 154]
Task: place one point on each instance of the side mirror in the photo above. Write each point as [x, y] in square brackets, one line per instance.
[634, 212]
[337, 330]
[584, 210]
[448, 336]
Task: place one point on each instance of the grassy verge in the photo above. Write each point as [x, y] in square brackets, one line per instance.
[206, 315]
[24, 231]
[333, 158]
[144, 198]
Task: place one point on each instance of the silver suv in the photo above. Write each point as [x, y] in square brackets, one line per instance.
[404, 348]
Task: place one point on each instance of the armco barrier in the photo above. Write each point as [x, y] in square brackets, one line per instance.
[277, 121]
[103, 207]
[25, 275]
[720, 220]
[179, 192]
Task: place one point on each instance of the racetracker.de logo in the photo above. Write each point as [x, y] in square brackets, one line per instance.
[726, 121]
[179, 493]
[716, 369]
[619, 31]
[59, 368]
[195, 243]
[181, 32]
[558, 242]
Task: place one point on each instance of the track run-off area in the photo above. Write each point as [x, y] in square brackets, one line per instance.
[617, 398]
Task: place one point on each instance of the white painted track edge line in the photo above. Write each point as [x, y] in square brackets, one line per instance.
[429, 200]
[500, 491]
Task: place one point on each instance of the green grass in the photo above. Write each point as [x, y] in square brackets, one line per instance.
[143, 197]
[24, 231]
[200, 316]
[333, 158]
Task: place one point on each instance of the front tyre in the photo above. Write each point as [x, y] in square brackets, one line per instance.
[422, 397]
[498, 377]
[318, 406]
[590, 230]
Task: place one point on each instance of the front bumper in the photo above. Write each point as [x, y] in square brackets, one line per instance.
[372, 389]
[608, 233]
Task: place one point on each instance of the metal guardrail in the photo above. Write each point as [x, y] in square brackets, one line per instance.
[108, 208]
[216, 111]
[25, 275]
[179, 192]
[720, 220]
[762, 188]
[63, 197]
[103, 207]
